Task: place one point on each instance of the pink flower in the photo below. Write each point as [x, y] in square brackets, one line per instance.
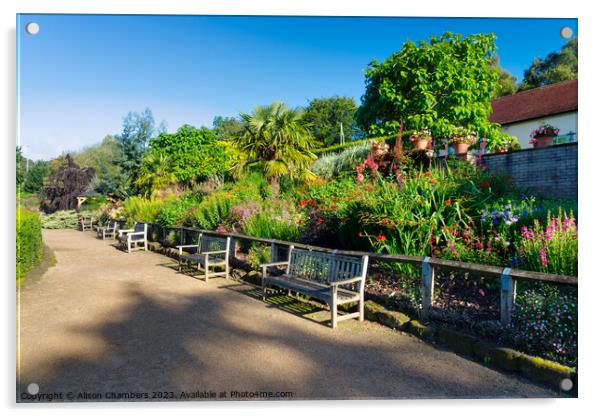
[542, 255]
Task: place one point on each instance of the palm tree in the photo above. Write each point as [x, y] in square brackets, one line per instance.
[278, 141]
[154, 174]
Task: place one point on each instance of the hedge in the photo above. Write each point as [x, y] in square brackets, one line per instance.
[29, 241]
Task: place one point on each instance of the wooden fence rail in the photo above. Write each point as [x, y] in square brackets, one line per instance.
[428, 265]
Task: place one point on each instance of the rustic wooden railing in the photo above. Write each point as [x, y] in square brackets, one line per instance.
[507, 276]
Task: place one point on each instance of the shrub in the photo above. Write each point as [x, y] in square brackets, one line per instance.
[64, 219]
[29, 241]
[275, 221]
[213, 209]
[138, 209]
[330, 165]
[258, 254]
[339, 147]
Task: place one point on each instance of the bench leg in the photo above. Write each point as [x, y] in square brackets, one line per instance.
[361, 307]
[206, 273]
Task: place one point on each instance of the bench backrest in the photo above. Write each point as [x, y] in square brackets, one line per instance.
[325, 267]
[140, 227]
[213, 243]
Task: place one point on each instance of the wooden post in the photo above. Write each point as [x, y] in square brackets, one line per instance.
[274, 252]
[507, 297]
[428, 281]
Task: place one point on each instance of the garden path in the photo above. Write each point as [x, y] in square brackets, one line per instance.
[103, 321]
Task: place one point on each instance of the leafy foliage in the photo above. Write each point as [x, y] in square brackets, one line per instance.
[65, 185]
[34, 177]
[138, 129]
[333, 164]
[155, 174]
[227, 128]
[29, 241]
[325, 116]
[441, 84]
[556, 67]
[102, 157]
[193, 154]
[277, 141]
[506, 83]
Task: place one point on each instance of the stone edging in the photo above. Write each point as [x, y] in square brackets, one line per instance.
[534, 368]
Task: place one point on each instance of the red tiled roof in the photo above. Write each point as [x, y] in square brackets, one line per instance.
[535, 103]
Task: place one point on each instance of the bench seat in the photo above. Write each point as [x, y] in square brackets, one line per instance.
[313, 289]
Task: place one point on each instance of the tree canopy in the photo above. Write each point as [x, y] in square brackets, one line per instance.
[65, 185]
[34, 177]
[440, 84]
[506, 83]
[277, 141]
[194, 154]
[138, 129]
[102, 158]
[325, 116]
[227, 128]
[556, 67]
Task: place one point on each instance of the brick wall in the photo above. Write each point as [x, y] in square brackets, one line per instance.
[549, 172]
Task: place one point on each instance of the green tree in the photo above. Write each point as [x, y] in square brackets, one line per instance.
[102, 157]
[138, 129]
[20, 174]
[194, 154]
[155, 174]
[443, 83]
[325, 115]
[227, 128]
[556, 67]
[506, 82]
[34, 178]
[277, 141]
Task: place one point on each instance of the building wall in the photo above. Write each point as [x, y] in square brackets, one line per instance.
[548, 172]
[566, 122]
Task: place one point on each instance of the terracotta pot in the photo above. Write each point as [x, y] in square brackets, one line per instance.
[421, 144]
[543, 141]
[460, 147]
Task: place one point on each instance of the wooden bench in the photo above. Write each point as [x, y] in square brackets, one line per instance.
[130, 238]
[86, 223]
[326, 276]
[108, 230]
[210, 252]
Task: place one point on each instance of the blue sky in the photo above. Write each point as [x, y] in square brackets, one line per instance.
[81, 74]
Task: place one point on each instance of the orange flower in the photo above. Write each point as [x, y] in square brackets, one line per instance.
[381, 238]
[448, 202]
[433, 182]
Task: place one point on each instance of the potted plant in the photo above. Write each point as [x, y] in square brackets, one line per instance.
[543, 136]
[461, 139]
[502, 143]
[422, 139]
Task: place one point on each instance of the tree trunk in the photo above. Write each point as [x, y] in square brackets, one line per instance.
[275, 186]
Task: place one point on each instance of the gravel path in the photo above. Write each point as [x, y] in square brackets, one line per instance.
[106, 325]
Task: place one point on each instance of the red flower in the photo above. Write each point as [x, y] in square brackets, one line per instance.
[485, 184]
[319, 221]
[427, 174]
[381, 238]
[360, 234]
[433, 182]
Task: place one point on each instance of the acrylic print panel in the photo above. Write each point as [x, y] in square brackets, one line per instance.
[288, 208]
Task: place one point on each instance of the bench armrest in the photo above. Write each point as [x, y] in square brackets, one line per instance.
[346, 281]
[214, 252]
[180, 247]
[122, 231]
[264, 267]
